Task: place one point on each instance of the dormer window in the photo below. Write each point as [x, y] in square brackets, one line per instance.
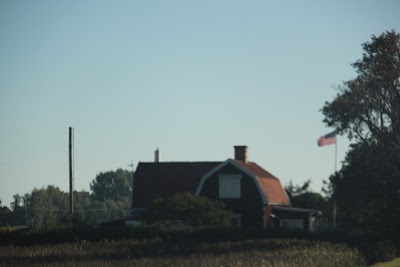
[229, 186]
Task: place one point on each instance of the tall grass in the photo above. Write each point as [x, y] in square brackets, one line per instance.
[158, 252]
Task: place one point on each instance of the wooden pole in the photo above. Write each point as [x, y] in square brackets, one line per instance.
[133, 182]
[334, 190]
[71, 196]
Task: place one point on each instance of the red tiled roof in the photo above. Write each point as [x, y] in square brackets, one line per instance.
[159, 179]
[270, 185]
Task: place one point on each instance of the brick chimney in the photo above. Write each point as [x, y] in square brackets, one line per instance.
[157, 155]
[241, 153]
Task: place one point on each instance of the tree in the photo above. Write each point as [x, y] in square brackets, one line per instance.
[48, 206]
[188, 210]
[111, 192]
[83, 206]
[5, 215]
[19, 209]
[17, 202]
[367, 109]
[112, 185]
[295, 190]
[301, 196]
[368, 190]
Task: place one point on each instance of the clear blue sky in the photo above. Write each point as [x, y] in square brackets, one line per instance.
[193, 78]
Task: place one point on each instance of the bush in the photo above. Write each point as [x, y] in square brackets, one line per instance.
[186, 210]
[381, 251]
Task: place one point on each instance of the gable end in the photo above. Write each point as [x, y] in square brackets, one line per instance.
[240, 168]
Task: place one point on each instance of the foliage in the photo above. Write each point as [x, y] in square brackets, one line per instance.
[382, 251]
[5, 216]
[368, 190]
[112, 185]
[19, 207]
[367, 108]
[157, 252]
[295, 190]
[188, 210]
[48, 207]
[301, 196]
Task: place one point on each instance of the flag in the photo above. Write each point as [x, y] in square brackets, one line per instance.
[328, 139]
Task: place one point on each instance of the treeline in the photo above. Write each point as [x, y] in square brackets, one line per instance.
[48, 207]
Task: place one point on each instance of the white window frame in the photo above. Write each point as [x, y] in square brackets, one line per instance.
[237, 220]
[229, 185]
[292, 224]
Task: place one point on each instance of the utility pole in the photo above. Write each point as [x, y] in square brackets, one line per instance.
[334, 191]
[71, 192]
[26, 211]
[133, 177]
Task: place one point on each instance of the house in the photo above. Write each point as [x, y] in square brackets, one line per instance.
[256, 197]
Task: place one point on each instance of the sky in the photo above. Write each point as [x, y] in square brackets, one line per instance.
[192, 78]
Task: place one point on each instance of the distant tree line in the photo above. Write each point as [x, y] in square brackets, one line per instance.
[109, 199]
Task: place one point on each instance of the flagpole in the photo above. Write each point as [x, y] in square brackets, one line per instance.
[336, 156]
[325, 140]
[334, 190]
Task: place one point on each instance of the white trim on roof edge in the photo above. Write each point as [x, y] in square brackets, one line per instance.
[223, 164]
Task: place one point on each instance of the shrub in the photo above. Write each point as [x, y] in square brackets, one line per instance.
[381, 251]
[187, 210]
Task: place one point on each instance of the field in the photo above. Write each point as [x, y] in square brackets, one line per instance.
[185, 252]
[393, 263]
[155, 246]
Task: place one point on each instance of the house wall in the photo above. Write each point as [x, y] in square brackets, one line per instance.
[290, 215]
[249, 205]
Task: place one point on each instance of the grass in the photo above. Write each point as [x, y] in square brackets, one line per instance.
[158, 252]
[393, 263]
[149, 246]
[10, 229]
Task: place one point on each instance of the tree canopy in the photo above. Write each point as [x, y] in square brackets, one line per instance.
[47, 207]
[367, 109]
[112, 185]
[301, 196]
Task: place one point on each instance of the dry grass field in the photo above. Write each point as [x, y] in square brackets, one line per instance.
[156, 252]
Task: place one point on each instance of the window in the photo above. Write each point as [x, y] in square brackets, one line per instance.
[237, 220]
[292, 224]
[229, 186]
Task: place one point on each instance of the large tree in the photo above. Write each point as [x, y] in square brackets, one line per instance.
[112, 185]
[367, 109]
[368, 189]
[47, 207]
